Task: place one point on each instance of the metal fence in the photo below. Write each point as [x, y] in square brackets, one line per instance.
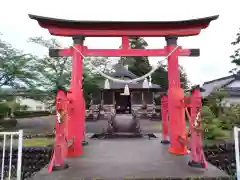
[236, 141]
[11, 155]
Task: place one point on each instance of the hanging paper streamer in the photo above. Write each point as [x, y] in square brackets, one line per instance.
[126, 91]
[107, 84]
[150, 81]
[145, 83]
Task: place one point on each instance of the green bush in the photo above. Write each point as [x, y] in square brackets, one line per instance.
[217, 127]
[207, 114]
[211, 125]
[230, 117]
[10, 123]
[218, 121]
[26, 114]
[212, 130]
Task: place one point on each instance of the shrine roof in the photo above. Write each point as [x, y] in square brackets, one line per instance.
[148, 28]
[121, 71]
[224, 82]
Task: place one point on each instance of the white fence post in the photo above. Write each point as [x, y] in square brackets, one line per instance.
[19, 161]
[4, 155]
[236, 141]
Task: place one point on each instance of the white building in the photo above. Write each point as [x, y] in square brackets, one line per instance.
[33, 105]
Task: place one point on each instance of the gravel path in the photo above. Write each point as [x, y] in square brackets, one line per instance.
[42, 125]
[46, 125]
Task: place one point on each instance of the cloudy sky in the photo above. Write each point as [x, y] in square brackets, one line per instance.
[214, 42]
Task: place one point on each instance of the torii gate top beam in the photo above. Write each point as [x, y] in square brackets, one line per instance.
[61, 27]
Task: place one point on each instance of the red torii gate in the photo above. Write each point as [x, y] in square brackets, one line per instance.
[171, 30]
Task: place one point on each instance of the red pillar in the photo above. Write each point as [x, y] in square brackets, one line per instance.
[77, 112]
[175, 97]
[164, 114]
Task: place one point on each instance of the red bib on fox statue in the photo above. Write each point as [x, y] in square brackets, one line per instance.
[197, 155]
[165, 121]
[57, 161]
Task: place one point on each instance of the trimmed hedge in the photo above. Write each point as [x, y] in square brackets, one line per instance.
[8, 123]
[27, 114]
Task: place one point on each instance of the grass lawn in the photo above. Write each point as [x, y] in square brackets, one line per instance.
[37, 142]
[157, 126]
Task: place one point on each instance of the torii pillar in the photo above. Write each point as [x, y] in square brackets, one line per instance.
[77, 114]
[176, 111]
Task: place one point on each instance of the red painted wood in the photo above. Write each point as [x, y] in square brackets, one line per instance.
[125, 42]
[123, 52]
[58, 31]
[176, 111]
[76, 121]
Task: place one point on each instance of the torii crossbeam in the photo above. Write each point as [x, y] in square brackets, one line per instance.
[171, 30]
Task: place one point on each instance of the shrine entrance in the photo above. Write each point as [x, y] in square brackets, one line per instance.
[170, 30]
[123, 103]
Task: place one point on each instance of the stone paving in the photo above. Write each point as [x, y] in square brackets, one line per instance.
[117, 159]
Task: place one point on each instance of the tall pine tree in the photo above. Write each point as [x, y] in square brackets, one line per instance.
[140, 64]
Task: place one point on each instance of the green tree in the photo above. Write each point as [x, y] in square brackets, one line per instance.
[90, 85]
[160, 77]
[140, 65]
[183, 78]
[13, 105]
[103, 64]
[235, 57]
[16, 68]
[215, 101]
[53, 72]
[56, 72]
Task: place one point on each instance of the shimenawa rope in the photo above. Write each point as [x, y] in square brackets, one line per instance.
[127, 81]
